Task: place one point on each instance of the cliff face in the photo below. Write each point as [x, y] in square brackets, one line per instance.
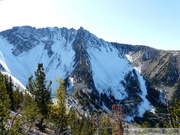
[98, 72]
[159, 67]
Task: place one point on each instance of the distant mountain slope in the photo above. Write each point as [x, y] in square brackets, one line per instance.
[98, 72]
[161, 68]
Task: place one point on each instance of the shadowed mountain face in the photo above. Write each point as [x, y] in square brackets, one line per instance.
[160, 68]
[97, 73]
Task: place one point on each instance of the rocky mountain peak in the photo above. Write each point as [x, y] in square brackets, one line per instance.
[103, 72]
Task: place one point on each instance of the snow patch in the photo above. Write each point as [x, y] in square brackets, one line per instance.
[145, 104]
[162, 97]
[108, 69]
[153, 110]
[129, 119]
[131, 59]
[72, 81]
[71, 85]
[16, 82]
[175, 53]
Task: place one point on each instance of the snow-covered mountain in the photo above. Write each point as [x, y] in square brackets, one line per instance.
[100, 72]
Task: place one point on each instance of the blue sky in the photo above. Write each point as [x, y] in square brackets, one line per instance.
[154, 23]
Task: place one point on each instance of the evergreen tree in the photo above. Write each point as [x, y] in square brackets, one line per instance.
[7, 126]
[101, 123]
[9, 87]
[106, 125]
[43, 93]
[173, 115]
[4, 106]
[18, 99]
[40, 92]
[16, 128]
[58, 111]
[97, 121]
[4, 116]
[30, 113]
[80, 124]
[86, 126]
[74, 122]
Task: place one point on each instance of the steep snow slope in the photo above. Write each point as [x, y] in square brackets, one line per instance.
[63, 53]
[60, 64]
[109, 69]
